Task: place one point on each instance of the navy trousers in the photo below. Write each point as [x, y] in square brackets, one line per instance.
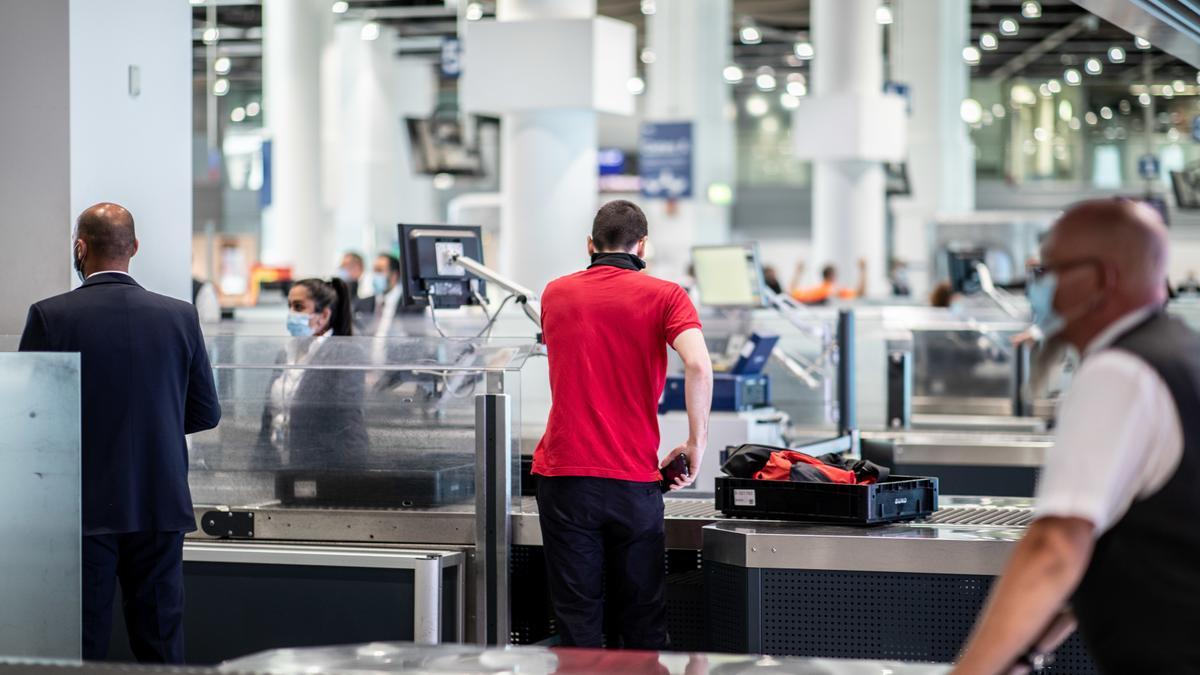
[149, 567]
[605, 549]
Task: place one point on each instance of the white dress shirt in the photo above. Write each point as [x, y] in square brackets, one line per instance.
[385, 311]
[1118, 439]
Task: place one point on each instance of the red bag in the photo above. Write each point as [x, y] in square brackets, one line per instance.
[779, 467]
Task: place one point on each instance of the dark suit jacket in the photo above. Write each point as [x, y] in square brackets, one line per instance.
[146, 381]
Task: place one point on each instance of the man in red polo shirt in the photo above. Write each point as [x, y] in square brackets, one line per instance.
[607, 329]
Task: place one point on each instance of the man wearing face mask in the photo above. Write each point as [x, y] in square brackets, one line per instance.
[146, 382]
[1115, 534]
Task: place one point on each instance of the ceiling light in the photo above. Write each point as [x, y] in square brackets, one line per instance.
[222, 65]
[1124, 107]
[340, 7]
[803, 50]
[1106, 113]
[797, 88]
[789, 100]
[370, 31]
[1041, 135]
[1093, 66]
[883, 15]
[1065, 110]
[221, 87]
[751, 35]
[1072, 77]
[1031, 9]
[1144, 99]
[1168, 92]
[1141, 43]
[197, 2]
[474, 11]
[1009, 26]
[253, 108]
[237, 114]
[1054, 86]
[1074, 124]
[1178, 86]
[732, 74]
[649, 7]
[1021, 93]
[636, 86]
[998, 111]
[648, 55]
[971, 55]
[211, 35]
[1116, 54]
[1044, 90]
[988, 41]
[443, 181]
[1091, 118]
[765, 82]
[971, 111]
[757, 106]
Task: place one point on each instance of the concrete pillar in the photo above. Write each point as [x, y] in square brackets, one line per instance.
[366, 94]
[927, 41]
[690, 40]
[848, 105]
[548, 174]
[97, 107]
[296, 228]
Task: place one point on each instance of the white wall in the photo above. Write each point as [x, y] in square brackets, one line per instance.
[34, 221]
[135, 151]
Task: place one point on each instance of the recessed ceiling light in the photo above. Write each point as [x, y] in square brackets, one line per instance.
[1072, 77]
[971, 55]
[883, 15]
[1141, 43]
[1093, 66]
[988, 41]
[732, 74]
[751, 35]
[1116, 54]
[803, 50]
[1009, 26]
[1031, 9]
[340, 7]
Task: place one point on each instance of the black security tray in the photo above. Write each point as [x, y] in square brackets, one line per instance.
[413, 486]
[898, 498]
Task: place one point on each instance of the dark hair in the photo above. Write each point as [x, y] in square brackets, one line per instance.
[334, 294]
[358, 260]
[829, 273]
[941, 295]
[619, 225]
[393, 263]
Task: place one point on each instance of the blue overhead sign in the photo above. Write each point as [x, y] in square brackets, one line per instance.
[665, 159]
[1148, 167]
[451, 58]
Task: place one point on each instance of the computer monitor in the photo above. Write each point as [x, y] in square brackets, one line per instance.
[729, 276]
[1186, 185]
[961, 265]
[428, 275]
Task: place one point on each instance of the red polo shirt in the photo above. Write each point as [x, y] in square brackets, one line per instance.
[607, 330]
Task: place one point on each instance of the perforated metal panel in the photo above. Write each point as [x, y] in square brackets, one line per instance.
[985, 516]
[864, 615]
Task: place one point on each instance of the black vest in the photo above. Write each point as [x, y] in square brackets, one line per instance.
[1139, 602]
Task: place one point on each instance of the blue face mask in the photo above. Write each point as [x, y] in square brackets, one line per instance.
[298, 326]
[1040, 291]
[379, 284]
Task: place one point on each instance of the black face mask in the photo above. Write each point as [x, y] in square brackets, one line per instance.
[625, 261]
[78, 265]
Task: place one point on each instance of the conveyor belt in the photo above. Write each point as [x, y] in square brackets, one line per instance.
[982, 516]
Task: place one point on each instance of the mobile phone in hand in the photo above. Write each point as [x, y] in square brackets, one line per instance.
[678, 467]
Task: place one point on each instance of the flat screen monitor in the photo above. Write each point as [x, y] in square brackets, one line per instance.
[438, 146]
[1186, 185]
[428, 274]
[961, 265]
[729, 276]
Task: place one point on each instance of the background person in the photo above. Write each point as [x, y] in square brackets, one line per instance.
[828, 289]
[145, 383]
[1115, 532]
[607, 329]
[351, 270]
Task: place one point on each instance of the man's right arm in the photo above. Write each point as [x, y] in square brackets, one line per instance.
[33, 338]
[202, 410]
[698, 387]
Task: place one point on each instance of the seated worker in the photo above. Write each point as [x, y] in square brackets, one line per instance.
[351, 271]
[381, 314]
[828, 289]
[314, 417]
[1114, 535]
[943, 296]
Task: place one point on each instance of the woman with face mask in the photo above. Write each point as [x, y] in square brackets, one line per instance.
[314, 417]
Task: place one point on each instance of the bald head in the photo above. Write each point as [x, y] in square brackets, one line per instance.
[1128, 237]
[108, 237]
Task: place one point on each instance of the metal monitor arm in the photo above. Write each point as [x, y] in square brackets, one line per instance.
[521, 295]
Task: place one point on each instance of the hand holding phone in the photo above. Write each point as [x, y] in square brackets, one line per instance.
[676, 468]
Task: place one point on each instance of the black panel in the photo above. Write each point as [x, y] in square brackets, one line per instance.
[235, 609]
[980, 481]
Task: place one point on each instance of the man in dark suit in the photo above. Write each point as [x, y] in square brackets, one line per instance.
[146, 382]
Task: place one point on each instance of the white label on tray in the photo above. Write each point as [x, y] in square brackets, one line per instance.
[743, 497]
[305, 489]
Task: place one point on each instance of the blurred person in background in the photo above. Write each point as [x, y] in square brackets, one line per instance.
[351, 271]
[828, 289]
[771, 279]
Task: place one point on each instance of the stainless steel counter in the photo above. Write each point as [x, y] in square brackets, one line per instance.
[962, 448]
[969, 535]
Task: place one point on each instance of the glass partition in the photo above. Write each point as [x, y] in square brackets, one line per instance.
[351, 422]
[40, 499]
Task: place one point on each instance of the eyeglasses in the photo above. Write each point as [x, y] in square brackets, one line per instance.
[1039, 271]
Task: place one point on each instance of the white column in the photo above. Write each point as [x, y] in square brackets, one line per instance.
[928, 38]
[74, 132]
[848, 192]
[296, 228]
[691, 44]
[548, 179]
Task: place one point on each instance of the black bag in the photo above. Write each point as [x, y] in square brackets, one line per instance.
[747, 459]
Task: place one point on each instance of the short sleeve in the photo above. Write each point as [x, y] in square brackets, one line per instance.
[1118, 438]
[679, 315]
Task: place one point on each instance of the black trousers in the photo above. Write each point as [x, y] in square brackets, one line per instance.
[604, 547]
[149, 566]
